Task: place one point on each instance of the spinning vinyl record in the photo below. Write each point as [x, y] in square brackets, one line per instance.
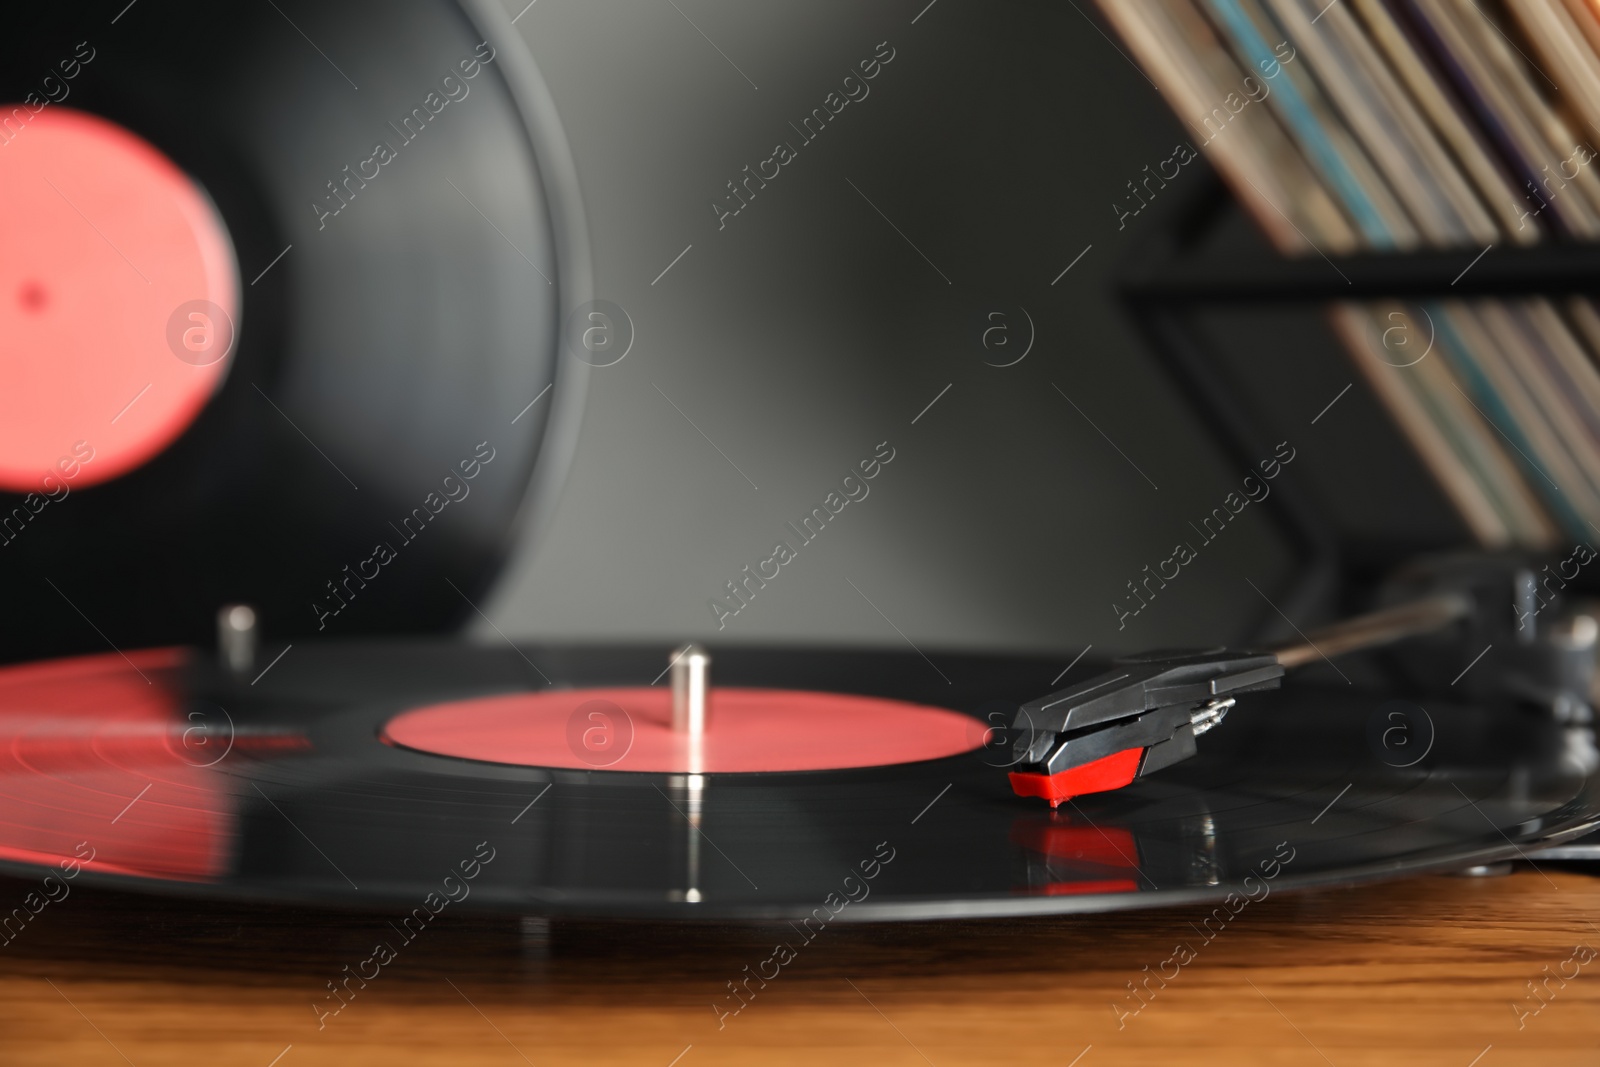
[839, 786]
[281, 293]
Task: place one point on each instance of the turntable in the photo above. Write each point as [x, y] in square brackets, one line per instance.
[184, 728]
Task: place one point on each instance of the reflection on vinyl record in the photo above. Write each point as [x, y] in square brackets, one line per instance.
[315, 799]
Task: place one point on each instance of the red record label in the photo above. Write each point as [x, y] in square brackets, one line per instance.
[119, 303]
[749, 730]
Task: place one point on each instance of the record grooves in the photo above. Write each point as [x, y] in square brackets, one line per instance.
[310, 805]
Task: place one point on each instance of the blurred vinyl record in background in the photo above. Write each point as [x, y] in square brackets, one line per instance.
[275, 315]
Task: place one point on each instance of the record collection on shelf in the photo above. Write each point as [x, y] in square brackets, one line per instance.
[1393, 126]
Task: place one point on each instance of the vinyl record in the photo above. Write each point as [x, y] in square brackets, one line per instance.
[281, 297]
[860, 786]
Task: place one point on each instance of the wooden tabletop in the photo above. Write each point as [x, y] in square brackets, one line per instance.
[1434, 970]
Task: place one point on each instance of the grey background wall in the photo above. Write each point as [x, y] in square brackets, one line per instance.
[816, 324]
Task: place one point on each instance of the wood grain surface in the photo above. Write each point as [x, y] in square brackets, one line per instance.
[1434, 970]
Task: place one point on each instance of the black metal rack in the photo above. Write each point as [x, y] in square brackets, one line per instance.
[1182, 271]
[1499, 270]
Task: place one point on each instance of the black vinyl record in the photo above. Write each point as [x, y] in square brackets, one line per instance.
[390, 329]
[284, 791]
